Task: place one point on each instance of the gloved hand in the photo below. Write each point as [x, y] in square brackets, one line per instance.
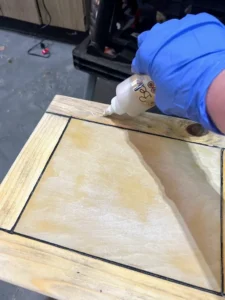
[183, 57]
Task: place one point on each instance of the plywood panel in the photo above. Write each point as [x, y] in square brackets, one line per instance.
[25, 10]
[65, 275]
[23, 175]
[140, 200]
[148, 122]
[64, 13]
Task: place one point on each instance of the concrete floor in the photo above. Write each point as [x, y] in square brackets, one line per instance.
[27, 86]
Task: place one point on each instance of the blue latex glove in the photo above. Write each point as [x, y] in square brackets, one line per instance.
[183, 57]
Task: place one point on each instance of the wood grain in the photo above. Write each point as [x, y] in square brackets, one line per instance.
[68, 276]
[23, 175]
[148, 122]
[106, 191]
[65, 13]
[65, 274]
[25, 10]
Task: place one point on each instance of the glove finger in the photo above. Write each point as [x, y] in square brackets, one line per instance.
[145, 53]
[136, 63]
[141, 62]
[142, 37]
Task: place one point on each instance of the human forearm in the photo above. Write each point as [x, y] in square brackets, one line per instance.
[215, 102]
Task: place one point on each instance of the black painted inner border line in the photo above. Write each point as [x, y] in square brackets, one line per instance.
[221, 223]
[39, 178]
[120, 265]
[135, 130]
[13, 232]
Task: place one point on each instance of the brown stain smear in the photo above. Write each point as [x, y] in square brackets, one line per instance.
[189, 193]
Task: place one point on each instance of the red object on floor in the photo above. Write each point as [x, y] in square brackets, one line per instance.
[45, 51]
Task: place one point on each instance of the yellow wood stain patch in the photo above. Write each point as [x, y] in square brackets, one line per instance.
[46, 226]
[81, 137]
[141, 200]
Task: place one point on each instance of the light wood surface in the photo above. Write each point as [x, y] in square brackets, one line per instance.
[69, 14]
[148, 122]
[106, 191]
[23, 175]
[25, 10]
[65, 275]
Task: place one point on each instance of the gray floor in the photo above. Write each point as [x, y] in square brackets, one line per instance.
[27, 86]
